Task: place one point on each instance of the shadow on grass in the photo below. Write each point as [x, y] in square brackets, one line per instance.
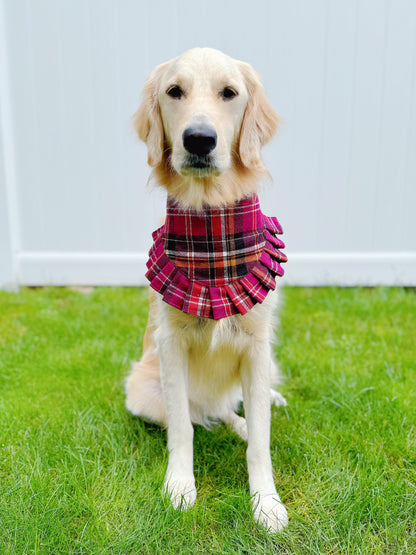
[219, 454]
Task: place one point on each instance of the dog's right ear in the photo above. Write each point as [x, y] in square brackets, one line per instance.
[148, 121]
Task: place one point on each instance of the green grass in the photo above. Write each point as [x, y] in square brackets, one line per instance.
[78, 474]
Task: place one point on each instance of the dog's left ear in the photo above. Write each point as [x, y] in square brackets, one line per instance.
[260, 121]
[148, 121]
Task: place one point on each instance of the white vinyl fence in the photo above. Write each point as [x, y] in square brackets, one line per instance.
[74, 205]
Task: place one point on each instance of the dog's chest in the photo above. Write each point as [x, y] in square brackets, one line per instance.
[231, 335]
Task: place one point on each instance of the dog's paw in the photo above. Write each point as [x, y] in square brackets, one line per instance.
[277, 399]
[240, 428]
[270, 512]
[238, 424]
[181, 491]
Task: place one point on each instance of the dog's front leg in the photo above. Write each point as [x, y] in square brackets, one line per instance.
[179, 481]
[255, 379]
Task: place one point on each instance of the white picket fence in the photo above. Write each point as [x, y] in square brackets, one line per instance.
[74, 205]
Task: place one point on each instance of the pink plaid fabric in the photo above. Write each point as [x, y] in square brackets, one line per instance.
[216, 262]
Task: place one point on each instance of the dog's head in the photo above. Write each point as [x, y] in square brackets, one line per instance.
[202, 107]
[204, 113]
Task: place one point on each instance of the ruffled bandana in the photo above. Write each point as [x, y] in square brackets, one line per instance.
[216, 262]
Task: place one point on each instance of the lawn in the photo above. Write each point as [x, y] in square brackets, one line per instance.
[78, 474]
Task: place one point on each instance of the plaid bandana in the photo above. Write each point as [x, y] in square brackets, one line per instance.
[216, 262]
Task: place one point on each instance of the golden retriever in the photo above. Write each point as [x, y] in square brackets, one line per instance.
[196, 369]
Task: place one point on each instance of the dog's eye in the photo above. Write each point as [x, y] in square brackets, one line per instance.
[175, 91]
[228, 93]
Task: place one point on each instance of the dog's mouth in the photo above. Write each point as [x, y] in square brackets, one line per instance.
[199, 166]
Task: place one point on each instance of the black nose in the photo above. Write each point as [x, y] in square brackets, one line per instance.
[199, 140]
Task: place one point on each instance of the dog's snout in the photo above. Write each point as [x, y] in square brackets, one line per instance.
[199, 140]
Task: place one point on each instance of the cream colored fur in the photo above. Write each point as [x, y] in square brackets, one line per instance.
[194, 369]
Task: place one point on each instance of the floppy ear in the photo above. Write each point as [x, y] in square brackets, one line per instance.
[148, 121]
[260, 121]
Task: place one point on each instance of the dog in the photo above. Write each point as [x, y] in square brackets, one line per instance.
[204, 118]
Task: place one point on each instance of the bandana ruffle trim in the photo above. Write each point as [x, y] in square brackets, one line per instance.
[236, 297]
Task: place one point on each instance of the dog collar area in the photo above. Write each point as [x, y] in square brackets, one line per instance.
[216, 262]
